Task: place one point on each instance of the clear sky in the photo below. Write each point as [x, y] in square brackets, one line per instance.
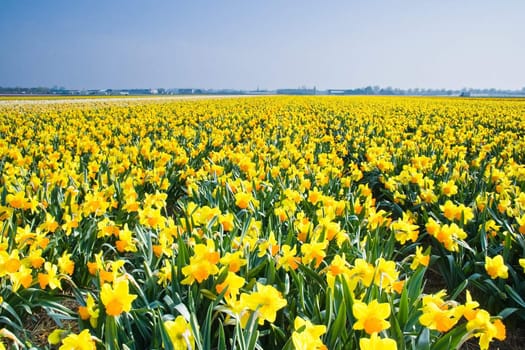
[245, 44]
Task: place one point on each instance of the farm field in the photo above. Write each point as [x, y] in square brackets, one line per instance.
[262, 223]
[50, 99]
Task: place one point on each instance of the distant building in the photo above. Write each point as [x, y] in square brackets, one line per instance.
[296, 91]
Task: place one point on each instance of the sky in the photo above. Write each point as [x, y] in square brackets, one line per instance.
[244, 44]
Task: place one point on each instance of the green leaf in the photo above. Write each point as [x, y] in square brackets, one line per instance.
[338, 329]
[196, 332]
[507, 312]
[207, 327]
[222, 337]
[183, 310]
[415, 284]
[423, 341]
[111, 334]
[311, 274]
[453, 339]
[514, 296]
[402, 314]
[459, 289]
[396, 329]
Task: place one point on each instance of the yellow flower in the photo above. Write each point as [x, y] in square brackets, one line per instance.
[70, 223]
[107, 228]
[522, 264]
[126, 242]
[95, 203]
[56, 336]
[180, 334]
[152, 218]
[377, 219]
[116, 298]
[90, 311]
[269, 245]
[303, 226]
[165, 273]
[234, 261]
[35, 258]
[65, 264]
[307, 336]
[464, 214]
[485, 329]
[329, 228]
[419, 259]
[314, 252]
[496, 267]
[288, 259]
[338, 267]
[405, 230]
[371, 317]
[491, 228]
[202, 263]
[81, 341]
[227, 221]
[363, 272]
[9, 263]
[432, 227]
[23, 277]
[439, 315]
[314, 196]
[17, 200]
[449, 188]
[450, 210]
[521, 222]
[376, 343]
[232, 284]
[448, 235]
[50, 225]
[469, 309]
[50, 278]
[385, 274]
[243, 200]
[434, 317]
[266, 301]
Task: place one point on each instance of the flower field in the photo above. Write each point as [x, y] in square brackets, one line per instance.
[263, 223]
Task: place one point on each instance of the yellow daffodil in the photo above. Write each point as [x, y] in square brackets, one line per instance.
[81, 341]
[371, 317]
[439, 315]
[496, 267]
[307, 336]
[180, 334]
[90, 311]
[116, 297]
[486, 329]
[377, 343]
[266, 301]
[419, 259]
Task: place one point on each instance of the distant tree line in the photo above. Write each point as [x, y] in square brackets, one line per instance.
[368, 90]
[20, 90]
[389, 91]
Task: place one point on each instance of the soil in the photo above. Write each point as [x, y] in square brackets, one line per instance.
[515, 337]
[40, 325]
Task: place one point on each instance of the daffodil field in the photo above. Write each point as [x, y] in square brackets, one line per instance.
[263, 223]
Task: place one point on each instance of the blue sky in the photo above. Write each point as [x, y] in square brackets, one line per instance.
[266, 44]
